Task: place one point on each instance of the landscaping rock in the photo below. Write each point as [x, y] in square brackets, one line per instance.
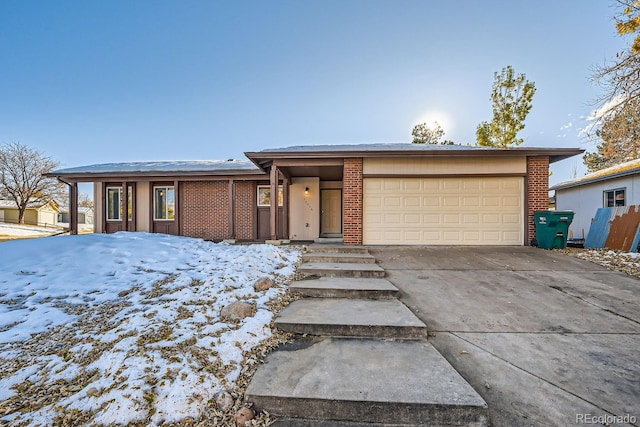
[237, 311]
[224, 400]
[263, 284]
[244, 415]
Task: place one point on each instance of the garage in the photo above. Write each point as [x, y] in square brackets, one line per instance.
[443, 211]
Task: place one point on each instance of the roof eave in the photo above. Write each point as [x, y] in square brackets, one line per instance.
[562, 186]
[262, 158]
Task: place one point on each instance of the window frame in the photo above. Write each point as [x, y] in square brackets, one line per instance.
[261, 200]
[614, 192]
[108, 200]
[166, 212]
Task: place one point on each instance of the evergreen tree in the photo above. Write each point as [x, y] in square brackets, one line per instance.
[512, 100]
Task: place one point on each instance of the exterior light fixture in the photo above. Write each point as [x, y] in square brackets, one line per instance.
[306, 191]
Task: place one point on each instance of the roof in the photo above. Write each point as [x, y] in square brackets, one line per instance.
[81, 209]
[623, 169]
[10, 204]
[151, 168]
[261, 158]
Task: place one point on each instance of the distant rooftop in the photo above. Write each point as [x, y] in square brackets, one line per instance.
[623, 169]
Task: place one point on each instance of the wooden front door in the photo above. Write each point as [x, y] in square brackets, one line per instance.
[331, 212]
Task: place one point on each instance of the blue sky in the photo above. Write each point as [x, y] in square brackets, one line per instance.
[105, 81]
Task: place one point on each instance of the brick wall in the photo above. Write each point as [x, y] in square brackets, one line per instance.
[352, 194]
[537, 191]
[205, 210]
[245, 208]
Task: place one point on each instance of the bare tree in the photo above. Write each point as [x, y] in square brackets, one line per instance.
[85, 200]
[21, 176]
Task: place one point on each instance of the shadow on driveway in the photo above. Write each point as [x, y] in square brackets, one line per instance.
[546, 339]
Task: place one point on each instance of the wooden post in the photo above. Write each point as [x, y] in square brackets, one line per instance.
[73, 208]
[285, 207]
[273, 180]
[125, 207]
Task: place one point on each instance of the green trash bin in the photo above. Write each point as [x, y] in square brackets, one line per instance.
[552, 228]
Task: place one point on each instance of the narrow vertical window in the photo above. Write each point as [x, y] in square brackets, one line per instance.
[114, 203]
[164, 203]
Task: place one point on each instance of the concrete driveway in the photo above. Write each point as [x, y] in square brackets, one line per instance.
[546, 339]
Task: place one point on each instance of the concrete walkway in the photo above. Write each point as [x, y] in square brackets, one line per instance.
[363, 359]
[546, 339]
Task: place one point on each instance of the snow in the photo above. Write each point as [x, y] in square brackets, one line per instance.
[133, 318]
[20, 230]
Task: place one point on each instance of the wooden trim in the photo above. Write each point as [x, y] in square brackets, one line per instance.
[73, 208]
[178, 218]
[159, 178]
[462, 175]
[285, 207]
[232, 210]
[125, 206]
[308, 162]
[273, 209]
[254, 208]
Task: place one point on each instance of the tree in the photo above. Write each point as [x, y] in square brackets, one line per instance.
[21, 176]
[85, 201]
[429, 134]
[512, 100]
[617, 125]
[619, 134]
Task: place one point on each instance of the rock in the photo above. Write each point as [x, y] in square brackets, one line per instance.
[244, 415]
[224, 400]
[93, 392]
[237, 311]
[263, 284]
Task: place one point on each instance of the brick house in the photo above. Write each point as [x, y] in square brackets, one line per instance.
[365, 194]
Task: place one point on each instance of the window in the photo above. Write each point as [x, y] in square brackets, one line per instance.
[114, 203]
[164, 203]
[264, 195]
[613, 198]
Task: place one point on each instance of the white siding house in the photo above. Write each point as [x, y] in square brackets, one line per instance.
[615, 186]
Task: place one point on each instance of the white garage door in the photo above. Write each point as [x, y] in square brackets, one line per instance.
[443, 211]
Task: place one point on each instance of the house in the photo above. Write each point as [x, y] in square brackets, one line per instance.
[85, 215]
[611, 187]
[37, 213]
[366, 194]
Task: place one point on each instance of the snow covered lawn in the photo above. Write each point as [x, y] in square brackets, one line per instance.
[125, 328]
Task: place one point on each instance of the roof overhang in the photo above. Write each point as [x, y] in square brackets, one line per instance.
[327, 155]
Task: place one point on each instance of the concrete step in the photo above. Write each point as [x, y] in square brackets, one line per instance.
[345, 287]
[333, 257]
[340, 269]
[351, 318]
[337, 249]
[365, 381]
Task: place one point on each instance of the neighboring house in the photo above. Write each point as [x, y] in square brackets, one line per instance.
[367, 194]
[85, 215]
[44, 214]
[615, 186]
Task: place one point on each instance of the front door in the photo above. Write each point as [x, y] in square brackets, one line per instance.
[116, 204]
[331, 212]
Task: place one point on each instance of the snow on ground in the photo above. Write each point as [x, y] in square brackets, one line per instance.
[20, 230]
[125, 328]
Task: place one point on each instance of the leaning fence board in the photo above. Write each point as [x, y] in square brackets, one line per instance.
[615, 228]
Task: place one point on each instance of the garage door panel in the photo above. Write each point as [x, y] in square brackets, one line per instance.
[472, 211]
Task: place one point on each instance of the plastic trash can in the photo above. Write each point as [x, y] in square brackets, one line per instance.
[552, 228]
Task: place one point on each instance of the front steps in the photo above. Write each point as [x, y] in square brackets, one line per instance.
[362, 358]
[366, 380]
[344, 287]
[341, 317]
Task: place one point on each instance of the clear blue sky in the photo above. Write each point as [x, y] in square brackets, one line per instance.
[106, 81]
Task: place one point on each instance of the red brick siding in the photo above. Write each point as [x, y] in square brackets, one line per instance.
[537, 191]
[352, 194]
[245, 209]
[205, 210]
